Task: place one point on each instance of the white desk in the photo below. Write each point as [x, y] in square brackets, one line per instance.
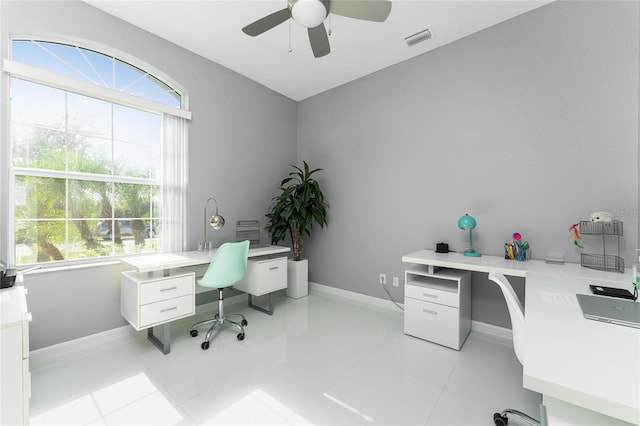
[152, 295]
[505, 266]
[567, 358]
[159, 262]
[583, 362]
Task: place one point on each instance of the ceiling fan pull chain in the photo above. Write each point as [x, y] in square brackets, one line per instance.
[329, 32]
[290, 49]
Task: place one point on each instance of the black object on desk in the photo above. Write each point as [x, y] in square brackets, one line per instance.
[611, 291]
[8, 276]
[442, 248]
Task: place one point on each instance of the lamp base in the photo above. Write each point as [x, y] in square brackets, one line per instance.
[472, 253]
[205, 246]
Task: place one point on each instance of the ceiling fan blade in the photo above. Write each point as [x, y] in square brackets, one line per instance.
[268, 22]
[367, 10]
[319, 41]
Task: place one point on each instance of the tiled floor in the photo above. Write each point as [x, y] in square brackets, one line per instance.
[318, 360]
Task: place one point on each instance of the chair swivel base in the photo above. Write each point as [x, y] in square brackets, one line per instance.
[218, 323]
[501, 419]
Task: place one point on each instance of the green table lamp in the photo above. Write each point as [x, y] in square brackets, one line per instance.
[468, 222]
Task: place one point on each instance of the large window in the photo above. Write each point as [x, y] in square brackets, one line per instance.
[89, 168]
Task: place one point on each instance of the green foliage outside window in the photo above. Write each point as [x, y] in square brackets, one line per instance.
[72, 196]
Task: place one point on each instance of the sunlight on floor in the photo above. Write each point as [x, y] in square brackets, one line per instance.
[131, 401]
[258, 407]
[348, 407]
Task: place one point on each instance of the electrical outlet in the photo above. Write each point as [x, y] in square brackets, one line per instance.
[383, 279]
[396, 282]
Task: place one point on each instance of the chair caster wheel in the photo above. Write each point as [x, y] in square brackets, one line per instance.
[500, 420]
[240, 336]
[193, 333]
[244, 322]
[204, 346]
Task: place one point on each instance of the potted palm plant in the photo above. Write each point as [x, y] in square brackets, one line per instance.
[299, 205]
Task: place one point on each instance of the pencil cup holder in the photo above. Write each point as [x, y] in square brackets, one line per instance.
[522, 256]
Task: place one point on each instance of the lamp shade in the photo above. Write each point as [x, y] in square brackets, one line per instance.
[466, 222]
[216, 221]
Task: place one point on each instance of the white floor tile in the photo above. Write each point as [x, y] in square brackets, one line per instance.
[319, 360]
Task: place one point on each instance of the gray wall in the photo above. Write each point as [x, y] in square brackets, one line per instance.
[241, 141]
[528, 126]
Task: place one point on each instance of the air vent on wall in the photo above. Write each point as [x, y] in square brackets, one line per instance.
[418, 37]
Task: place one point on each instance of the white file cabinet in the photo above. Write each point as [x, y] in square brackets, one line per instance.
[149, 299]
[264, 276]
[437, 306]
[15, 379]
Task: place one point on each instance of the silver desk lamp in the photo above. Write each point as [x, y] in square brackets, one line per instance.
[216, 222]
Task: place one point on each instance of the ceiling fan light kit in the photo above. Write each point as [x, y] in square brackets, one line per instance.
[309, 13]
[312, 13]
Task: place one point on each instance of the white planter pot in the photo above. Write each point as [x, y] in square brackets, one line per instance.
[297, 278]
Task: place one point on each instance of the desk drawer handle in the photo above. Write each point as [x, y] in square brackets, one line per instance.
[168, 309]
[273, 268]
[433, 296]
[427, 311]
[169, 288]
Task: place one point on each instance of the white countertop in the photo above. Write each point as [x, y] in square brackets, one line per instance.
[508, 267]
[155, 262]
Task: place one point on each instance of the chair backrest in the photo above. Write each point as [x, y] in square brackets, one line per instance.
[228, 265]
[516, 312]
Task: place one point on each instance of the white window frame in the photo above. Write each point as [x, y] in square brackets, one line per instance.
[174, 169]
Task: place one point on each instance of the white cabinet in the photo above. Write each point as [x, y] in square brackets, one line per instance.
[15, 385]
[437, 306]
[264, 276]
[148, 299]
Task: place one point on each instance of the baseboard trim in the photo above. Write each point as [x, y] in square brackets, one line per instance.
[353, 296]
[64, 349]
[493, 330]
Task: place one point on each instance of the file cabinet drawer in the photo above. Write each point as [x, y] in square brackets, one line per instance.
[264, 276]
[166, 310]
[166, 288]
[431, 294]
[433, 322]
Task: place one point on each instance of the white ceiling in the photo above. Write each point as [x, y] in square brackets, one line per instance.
[212, 29]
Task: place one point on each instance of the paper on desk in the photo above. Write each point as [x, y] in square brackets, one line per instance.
[564, 299]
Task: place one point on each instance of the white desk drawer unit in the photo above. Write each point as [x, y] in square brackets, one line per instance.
[147, 300]
[264, 276]
[438, 306]
[15, 380]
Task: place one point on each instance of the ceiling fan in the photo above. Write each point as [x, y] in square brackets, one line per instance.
[312, 13]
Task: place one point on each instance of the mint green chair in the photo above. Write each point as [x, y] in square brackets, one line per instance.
[227, 267]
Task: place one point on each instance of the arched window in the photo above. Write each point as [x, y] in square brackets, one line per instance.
[96, 155]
